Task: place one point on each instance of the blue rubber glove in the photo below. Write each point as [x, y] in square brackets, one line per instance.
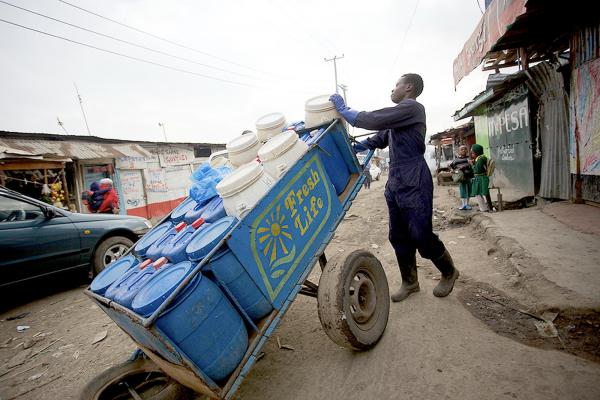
[346, 112]
[361, 146]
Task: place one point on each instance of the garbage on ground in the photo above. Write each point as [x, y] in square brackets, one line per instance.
[546, 329]
[22, 315]
[100, 336]
[22, 328]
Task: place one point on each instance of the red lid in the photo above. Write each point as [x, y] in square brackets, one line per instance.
[160, 262]
[198, 223]
[145, 263]
[180, 226]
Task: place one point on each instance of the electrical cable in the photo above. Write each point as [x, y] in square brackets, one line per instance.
[404, 36]
[164, 40]
[131, 43]
[479, 5]
[131, 57]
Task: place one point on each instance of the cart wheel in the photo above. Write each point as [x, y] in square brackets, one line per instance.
[353, 300]
[141, 375]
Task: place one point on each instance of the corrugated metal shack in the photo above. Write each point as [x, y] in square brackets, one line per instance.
[563, 90]
[151, 177]
[446, 145]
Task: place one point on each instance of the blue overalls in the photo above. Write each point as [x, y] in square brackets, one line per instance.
[409, 189]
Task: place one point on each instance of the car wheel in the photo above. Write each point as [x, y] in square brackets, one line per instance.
[109, 250]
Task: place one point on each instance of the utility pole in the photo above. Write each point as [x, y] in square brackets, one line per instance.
[334, 59]
[162, 125]
[83, 112]
[344, 88]
[60, 123]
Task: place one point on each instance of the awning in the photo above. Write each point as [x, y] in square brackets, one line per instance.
[493, 24]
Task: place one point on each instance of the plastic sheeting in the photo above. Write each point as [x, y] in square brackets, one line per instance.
[547, 85]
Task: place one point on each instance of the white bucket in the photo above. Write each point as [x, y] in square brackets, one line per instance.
[243, 188]
[319, 110]
[243, 149]
[281, 152]
[269, 125]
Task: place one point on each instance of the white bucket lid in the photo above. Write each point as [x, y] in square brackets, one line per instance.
[242, 143]
[319, 103]
[270, 120]
[277, 145]
[240, 179]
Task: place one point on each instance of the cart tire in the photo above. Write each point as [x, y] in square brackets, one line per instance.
[353, 300]
[141, 374]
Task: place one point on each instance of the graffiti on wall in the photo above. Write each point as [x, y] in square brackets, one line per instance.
[156, 180]
[584, 106]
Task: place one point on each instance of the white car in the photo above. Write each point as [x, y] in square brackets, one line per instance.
[375, 172]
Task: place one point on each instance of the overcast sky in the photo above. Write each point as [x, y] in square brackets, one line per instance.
[272, 52]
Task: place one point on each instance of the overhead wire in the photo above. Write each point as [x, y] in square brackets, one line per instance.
[131, 43]
[164, 39]
[404, 36]
[132, 57]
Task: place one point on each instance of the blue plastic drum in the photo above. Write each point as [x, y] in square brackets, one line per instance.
[229, 271]
[149, 238]
[155, 251]
[175, 249]
[194, 213]
[113, 272]
[202, 322]
[201, 244]
[334, 163]
[129, 287]
[178, 214]
[214, 210]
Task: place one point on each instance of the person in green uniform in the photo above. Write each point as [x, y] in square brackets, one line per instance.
[481, 182]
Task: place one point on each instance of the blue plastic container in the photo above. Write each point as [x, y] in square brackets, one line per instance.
[194, 213]
[229, 271]
[159, 287]
[334, 164]
[155, 251]
[130, 287]
[201, 244]
[214, 210]
[178, 214]
[112, 273]
[175, 249]
[149, 238]
[117, 285]
[206, 327]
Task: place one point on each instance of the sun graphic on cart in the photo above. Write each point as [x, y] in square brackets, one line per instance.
[273, 236]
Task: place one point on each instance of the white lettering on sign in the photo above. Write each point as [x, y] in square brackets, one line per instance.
[507, 153]
[174, 156]
[509, 120]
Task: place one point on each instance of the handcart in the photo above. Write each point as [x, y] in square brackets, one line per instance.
[278, 242]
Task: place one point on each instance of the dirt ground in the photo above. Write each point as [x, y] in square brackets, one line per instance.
[477, 343]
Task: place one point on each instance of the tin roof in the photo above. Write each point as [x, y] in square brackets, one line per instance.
[23, 145]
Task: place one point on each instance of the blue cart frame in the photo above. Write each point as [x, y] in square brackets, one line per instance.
[278, 242]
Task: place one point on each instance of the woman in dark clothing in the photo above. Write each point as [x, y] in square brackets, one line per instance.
[462, 163]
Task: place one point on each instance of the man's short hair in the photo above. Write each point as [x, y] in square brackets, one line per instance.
[416, 81]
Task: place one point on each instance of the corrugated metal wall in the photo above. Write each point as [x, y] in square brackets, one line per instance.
[553, 129]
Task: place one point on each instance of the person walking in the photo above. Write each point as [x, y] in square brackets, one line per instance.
[481, 182]
[368, 177]
[110, 204]
[409, 189]
[461, 163]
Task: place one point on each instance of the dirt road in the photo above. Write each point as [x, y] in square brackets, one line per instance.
[432, 348]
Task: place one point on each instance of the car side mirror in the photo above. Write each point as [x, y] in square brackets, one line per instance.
[49, 213]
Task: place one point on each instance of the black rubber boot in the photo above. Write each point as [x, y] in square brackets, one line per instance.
[449, 275]
[410, 281]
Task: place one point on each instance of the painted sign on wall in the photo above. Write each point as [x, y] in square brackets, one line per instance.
[133, 188]
[171, 156]
[584, 106]
[131, 162]
[155, 180]
[510, 144]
